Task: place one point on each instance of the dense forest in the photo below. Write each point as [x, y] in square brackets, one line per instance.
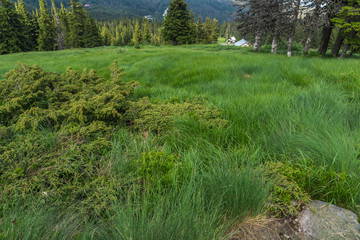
[51, 28]
[110, 9]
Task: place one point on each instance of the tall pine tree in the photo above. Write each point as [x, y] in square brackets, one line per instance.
[176, 26]
[77, 22]
[30, 27]
[11, 29]
[47, 30]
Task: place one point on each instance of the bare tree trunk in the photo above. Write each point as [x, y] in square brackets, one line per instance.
[337, 45]
[326, 34]
[313, 25]
[346, 48]
[274, 46]
[257, 44]
[293, 29]
[60, 41]
[308, 42]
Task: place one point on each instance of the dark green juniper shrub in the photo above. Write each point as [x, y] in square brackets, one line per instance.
[53, 125]
[56, 131]
[287, 196]
[159, 117]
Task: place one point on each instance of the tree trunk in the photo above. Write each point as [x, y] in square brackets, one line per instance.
[337, 45]
[346, 48]
[60, 41]
[293, 28]
[326, 34]
[313, 25]
[290, 46]
[351, 52]
[274, 46]
[257, 44]
[308, 42]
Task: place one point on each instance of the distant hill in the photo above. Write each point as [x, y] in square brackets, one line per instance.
[105, 9]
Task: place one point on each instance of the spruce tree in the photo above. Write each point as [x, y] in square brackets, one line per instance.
[60, 40]
[208, 30]
[146, 35]
[176, 26]
[30, 27]
[11, 29]
[91, 37]
[199, 31]
[107, 38]
[214, 31]
[64, 16]
[77, 22]
[192, 32]
[137, 35]
[47, 30]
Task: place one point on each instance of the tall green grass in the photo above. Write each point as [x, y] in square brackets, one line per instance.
[301, 111]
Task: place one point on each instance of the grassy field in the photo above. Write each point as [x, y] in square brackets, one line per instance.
[301, 112]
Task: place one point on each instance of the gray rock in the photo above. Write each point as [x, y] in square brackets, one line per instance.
[323, 221]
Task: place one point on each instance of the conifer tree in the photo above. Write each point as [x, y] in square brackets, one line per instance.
[47, 31]
[64, 16]
[30, 27]
[60, 40]
[214, 31]
[176, 26]
[11, 29]
[77, 23]
[106, 36]
[199, 31]
[349, 21]
[208, 30]
[146, 35]
[137, 35]
[91, 37]
[192, 32]
[126, 35]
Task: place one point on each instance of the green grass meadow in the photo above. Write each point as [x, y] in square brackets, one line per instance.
[302, 111]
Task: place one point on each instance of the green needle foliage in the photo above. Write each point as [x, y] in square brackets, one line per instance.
[177, 23]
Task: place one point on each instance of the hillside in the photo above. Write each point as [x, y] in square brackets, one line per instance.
[104, 9]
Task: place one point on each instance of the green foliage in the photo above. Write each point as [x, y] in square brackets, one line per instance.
[159, 117]
[11, 29]
[137, 35]
[328, 184]
[288, 197]
[30, 27]
[268, 116]
[349, 21]
[53, 125]
[47, 30]
[176, 25]
[158, 168]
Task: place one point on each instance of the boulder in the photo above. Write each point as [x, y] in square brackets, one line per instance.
[324, 221]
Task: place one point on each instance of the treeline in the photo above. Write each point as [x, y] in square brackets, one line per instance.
[179, 26]
[133, 32]
[283, 19]
[46, 29]
[130, 32]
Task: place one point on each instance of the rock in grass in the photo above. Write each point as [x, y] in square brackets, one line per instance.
[321, 220]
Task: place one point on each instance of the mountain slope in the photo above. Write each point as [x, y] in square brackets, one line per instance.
[103, 9]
